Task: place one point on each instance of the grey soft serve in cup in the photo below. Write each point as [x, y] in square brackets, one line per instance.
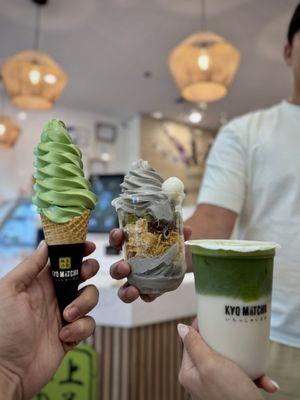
[233, 281]
[149, 211]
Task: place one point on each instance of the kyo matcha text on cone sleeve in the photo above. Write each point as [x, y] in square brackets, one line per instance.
[64, 201]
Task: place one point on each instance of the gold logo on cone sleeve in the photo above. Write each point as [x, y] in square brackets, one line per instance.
[65, 263]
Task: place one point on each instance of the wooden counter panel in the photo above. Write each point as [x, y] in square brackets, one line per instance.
[139, 363]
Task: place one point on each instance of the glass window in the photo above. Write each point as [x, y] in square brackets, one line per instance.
[4, 209]
[21, 228]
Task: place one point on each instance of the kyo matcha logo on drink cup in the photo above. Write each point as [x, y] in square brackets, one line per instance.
[233, 281]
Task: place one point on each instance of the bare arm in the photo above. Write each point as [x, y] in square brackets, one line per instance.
[210, 222]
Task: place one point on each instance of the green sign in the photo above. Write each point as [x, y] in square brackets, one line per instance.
[76, 378]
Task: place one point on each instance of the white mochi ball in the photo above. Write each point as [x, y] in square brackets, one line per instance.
[173, 188]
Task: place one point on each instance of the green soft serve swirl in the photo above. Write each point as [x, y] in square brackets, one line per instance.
[61, 190]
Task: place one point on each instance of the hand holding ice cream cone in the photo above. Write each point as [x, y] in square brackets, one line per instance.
[64, 201]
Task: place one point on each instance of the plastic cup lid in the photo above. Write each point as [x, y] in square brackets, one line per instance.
[241, 246]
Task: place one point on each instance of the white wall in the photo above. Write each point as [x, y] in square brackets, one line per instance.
[16, 165]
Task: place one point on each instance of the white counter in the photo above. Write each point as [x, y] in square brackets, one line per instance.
[111, 311]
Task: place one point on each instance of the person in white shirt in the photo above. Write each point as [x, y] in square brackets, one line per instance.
[252, 184]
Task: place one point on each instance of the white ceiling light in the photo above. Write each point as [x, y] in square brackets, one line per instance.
[204, 60]
[195, 117]
[22, 115]
[34, 76]
[50, 78]
[9, 132]
[157, 115]
[2, 129]
[105, 157]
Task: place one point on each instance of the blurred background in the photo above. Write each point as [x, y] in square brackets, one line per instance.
[109, 79]
[131, 79]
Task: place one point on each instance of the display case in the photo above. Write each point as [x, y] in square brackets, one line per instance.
[104, 217]
[18, 232]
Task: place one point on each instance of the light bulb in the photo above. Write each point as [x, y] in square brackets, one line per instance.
[195, 117]
[105, 157]
[157, 115]
[50, 78]
[22, 115]
[2, 129]
[34, 76]
[204, 60]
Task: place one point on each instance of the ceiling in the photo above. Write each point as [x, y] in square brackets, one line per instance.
[106, 46]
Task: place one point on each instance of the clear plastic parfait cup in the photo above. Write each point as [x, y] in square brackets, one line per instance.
[154, 243]
[233, 281]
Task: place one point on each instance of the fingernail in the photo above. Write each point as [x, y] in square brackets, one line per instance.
[183, 330]
[275, 384]
[65, 334]
[72, 312]
[115, 235]
[88, 269]
[41, 244]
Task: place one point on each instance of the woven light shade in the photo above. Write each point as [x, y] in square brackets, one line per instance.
[9, 132]
[33, 80]
[203, 67]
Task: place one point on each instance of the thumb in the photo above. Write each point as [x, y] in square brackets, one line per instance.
[195, 346]
[267, 384]
[29, 269]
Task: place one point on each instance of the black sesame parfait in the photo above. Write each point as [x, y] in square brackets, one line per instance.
[149, 211]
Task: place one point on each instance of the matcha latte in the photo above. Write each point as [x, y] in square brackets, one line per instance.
[233, 281]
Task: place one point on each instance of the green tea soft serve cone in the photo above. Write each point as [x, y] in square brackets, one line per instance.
[64, 201]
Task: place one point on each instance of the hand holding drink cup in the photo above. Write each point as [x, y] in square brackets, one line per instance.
[205, 374]
[233, 281]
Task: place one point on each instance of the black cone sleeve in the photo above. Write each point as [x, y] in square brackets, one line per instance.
[66, 260]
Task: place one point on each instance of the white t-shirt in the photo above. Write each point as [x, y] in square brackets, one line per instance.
[254, 170]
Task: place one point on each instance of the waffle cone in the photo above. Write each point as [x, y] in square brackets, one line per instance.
[71, 232]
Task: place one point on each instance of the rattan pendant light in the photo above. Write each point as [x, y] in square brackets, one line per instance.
[203, 65]
[32, 78]
[9, 130]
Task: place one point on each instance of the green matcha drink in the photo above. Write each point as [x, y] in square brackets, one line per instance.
[233, 281]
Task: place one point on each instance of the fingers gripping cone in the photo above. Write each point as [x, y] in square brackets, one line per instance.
[64, 199]
[66, 251]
